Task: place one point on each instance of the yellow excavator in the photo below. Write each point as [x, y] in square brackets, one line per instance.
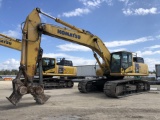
[62, 68]
[115, 66]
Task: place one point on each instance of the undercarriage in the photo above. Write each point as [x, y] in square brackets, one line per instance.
[114, 88]
[56, 83]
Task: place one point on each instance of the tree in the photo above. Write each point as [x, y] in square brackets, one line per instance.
[8, 72]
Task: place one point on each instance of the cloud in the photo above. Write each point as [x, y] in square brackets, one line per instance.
[151, 63]
[128, 42]
[147, 53]
[76, 60]
[14, 33]
[153, 47]
[76, 47]
[128, 3]
[73, 47]
[120, 49]
[10, 64]
[158, 37]
[89, 5]
[76, 12]
[112, 44]
[95, 3]
[140, 11]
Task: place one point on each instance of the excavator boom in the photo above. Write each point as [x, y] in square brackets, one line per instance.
[85, 39]
[79, 36]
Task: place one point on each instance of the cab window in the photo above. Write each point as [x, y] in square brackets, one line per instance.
[115, 63]
[48, 64]
[126, 60]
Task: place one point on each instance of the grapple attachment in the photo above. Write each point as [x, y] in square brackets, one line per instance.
[19, 89]
[25, 86]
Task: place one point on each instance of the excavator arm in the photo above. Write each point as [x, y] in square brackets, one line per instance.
[10, 42]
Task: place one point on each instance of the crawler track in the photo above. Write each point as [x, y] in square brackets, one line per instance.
[122, 88]
[57, 83]
[116, 88]
[86, 86]
[54, 83]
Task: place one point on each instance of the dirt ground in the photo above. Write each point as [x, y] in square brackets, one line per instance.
[70, 104]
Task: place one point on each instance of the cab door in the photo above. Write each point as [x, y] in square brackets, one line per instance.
[115, 65]
[126, 61]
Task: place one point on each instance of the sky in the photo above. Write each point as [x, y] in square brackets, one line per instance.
[131, 25]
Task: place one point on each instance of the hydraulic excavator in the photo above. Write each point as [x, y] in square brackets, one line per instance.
[114, 66]
[62, 69]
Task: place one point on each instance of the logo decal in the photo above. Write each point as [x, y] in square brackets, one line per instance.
[62, 32]
[6, 42]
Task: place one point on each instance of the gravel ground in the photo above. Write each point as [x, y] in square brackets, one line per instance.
[70, 104]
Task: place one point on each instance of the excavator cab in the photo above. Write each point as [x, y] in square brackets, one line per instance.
[48, 63]
[120, 61]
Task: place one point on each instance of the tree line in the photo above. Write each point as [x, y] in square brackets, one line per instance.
[152, 72]
[8, 72]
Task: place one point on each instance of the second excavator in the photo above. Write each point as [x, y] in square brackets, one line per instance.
[115, 66]
[61, 69]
